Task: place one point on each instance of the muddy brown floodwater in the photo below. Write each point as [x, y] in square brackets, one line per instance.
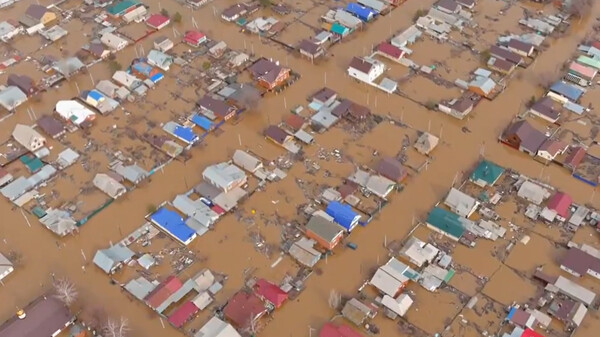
[227, 249]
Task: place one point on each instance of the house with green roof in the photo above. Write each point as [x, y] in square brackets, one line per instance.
[446, 223]
[486, 174]
[121, 7]
[588, 61]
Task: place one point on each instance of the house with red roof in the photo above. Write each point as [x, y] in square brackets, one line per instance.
[531, 333]
[194, 38]
[183, 314]
[270, 293]
[389, 51]
[574, 158]
[332, 330]
[162, 292]
[243, 310]
[560, 203]
[157, 21]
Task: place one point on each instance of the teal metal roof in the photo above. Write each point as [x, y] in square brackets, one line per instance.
[446, 221]
[338, 29]
[488, 172]
[121, 7]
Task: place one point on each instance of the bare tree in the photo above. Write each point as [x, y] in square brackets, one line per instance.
[65, 291]
[334, 299]
[114, 328]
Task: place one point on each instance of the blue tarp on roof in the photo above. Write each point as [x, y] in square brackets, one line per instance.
[171, 222]
[342, 214]
[93, 94]
[156, 77]
[142, 68]
[185, 134]
[202, 122]
[361, 12]
[511, 313]
[566, 90]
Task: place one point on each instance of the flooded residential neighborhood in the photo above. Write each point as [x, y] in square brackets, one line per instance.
[331, 168]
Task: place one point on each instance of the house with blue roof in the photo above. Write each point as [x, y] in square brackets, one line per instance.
[144, 70]
[202, 122]
[565, 91]
[183, 133]
[361, 12]
[343, 215]
[486, 174]
[171, 223]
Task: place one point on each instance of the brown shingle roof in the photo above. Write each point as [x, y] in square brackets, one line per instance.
[309, 47]
[391, 169]
[361, 65]
[276, 134]
[45, 316]
[242, 308]
[218, 107]
[520, 45]
[36, 11]
[323, 95]
[50, 126]
[580, 262]
[505, 54]
[295, 122]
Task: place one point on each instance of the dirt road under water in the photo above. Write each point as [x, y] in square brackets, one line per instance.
[227, 250]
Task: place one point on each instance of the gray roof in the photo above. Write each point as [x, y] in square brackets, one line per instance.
[107, 259]
[140, 287]
[11, 97]
[379, 185]
[195, 209]
[347, 19]
[6, 27]
[160, 59]
[6, 266]
[246, 161]
[324, 228]
[69, 66]
[16, 188]
[303, 251]
[59, 222]
[461, 203]
[107, 87]
[215, 327]
[486, 84]
[67, 157]
[575, 291]
[324, 117]
[533, 192]
[45, 173]
[207, 190]
[223, 174]
[132, 173]
[109, 185]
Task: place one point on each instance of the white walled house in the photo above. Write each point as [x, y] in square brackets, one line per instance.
[365, 69]
[28, 137]
[113, 41]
